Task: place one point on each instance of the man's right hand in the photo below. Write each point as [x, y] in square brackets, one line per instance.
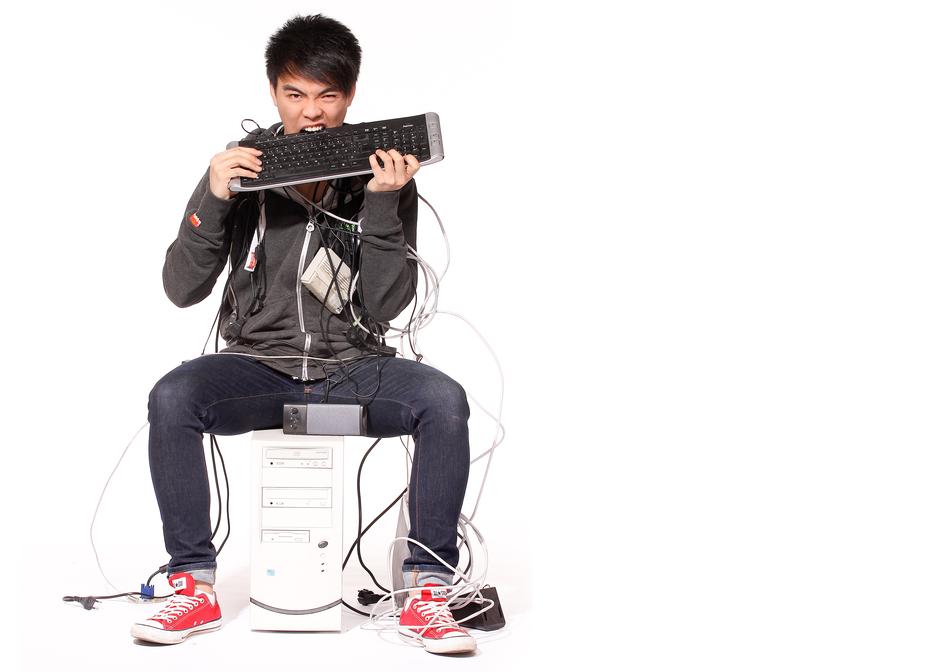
[237, 162]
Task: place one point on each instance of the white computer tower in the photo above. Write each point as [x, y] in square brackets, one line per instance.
[296, 532]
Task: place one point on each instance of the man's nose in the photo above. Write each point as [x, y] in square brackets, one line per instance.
[313, 111]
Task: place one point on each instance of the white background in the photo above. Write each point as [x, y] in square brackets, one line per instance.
[707, 240]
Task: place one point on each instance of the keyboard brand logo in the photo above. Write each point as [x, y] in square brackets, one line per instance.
[195, 222]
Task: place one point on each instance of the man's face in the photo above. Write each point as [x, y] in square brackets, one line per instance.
[306, 103]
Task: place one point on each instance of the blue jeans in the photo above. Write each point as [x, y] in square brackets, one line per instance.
[232, 394]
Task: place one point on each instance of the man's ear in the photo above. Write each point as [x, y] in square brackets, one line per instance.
[349, 98]
[273, 93]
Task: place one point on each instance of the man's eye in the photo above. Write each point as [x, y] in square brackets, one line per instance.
[294, 96]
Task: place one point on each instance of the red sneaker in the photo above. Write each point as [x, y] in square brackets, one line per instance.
[427, 619]
[187, 611]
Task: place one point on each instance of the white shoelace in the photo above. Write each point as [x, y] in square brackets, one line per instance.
[178, 605]
[438, 614]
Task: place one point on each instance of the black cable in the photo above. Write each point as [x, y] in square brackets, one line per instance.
[257, 130]
[243, 202]
[89, 601]
[359, 517]
[314, 217]
[227, 498]
[367, 528]
[349, 250]
[258, 286]
[362, 531]
[348, 253]
[156, 573]
[376, 332]
[361, 613]
[412, 316]
[227, 507]
[366, 596]
[217, 489]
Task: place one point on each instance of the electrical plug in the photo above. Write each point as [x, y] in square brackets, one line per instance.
[367, 597]
[86, 602]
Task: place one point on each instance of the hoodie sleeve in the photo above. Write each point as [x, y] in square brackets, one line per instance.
[196, 258]
[387, 277]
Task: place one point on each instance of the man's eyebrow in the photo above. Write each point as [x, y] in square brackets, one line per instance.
[291, 87]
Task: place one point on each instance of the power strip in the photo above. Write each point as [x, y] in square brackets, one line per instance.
[493, 619]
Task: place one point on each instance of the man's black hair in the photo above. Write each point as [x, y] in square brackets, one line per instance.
[317, 48]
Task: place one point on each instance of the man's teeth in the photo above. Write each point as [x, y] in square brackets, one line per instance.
[312, 129]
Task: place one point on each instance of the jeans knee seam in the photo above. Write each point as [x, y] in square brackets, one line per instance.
[207, 408]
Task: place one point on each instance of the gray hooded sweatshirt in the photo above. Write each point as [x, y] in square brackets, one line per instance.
[267, 312]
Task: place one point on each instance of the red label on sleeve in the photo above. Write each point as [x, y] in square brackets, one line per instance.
[195, 222]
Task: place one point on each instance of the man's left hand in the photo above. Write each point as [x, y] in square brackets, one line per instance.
[397, 170]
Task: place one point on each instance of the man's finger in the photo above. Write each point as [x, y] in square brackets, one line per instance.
[399, 165]
[246, 160]
[237, 151]
[374, 164]
[386, 159]
[234, 160]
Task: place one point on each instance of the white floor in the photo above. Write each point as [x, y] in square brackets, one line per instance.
[55, 559]
[72, 638]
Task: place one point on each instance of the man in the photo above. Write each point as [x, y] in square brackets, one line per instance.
[285, 346]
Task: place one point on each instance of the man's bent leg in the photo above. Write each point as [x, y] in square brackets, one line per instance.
[419, 400]
[217, 394]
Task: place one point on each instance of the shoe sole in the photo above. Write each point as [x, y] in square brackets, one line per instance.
[450, 645]
[159, 636]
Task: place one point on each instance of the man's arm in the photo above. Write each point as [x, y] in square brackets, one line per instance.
[197, 256]
[387, 279]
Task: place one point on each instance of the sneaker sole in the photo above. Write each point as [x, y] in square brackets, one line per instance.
[159, 636]
[450, 645]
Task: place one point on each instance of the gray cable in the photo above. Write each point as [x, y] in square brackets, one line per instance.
[101, 495]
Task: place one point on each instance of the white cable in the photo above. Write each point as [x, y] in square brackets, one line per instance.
[497, 418]
[101, 495]
[319, 359]
[430, 293]
[327, 212]
[500, 440]
[358, 224]
[426, 316]
[458, 595]
[467, 543]
[426, 269]
[448, 251]
[499, 435]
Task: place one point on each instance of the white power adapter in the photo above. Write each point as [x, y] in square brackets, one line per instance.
[326, 268]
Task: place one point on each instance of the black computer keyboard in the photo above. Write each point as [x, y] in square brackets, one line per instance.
[339, 152]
